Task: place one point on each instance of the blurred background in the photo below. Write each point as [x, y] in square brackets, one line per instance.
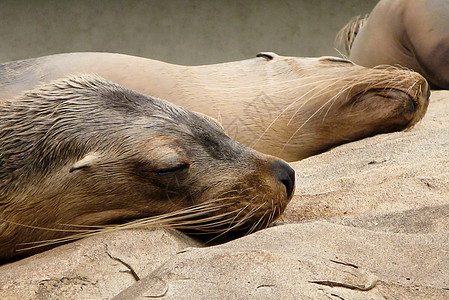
[189, 32]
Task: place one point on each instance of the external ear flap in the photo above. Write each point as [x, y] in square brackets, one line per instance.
[86, 162]
[267, 55]
[213, 120]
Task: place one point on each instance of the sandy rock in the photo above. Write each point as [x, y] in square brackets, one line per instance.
[98, 267]
[425, 220]
[384, 173]
[313, 260]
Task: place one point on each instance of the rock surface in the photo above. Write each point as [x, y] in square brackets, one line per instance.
[384, 173]
[369, 220]
[313, 260]
[98, 267]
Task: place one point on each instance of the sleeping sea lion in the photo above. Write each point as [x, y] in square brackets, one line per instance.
[81, 152]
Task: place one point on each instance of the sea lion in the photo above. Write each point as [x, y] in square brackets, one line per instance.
[289, 107]
[83, 151]
[410, 33]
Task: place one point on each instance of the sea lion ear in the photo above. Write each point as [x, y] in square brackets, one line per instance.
[267, 55]
[211, 119]
[87, 161]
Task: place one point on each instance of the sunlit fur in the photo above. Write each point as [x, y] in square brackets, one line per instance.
[319, 104]
[352, 110]
[49, 192]
[289, 107]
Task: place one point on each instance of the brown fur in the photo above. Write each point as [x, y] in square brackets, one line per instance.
[409, 33]
[290, 107]
[83, 151]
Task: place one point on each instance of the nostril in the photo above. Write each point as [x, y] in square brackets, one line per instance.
[286, 175]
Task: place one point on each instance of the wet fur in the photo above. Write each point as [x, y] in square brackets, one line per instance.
[80, 153]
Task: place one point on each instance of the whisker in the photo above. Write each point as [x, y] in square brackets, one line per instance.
[180, 219]
[43, 228]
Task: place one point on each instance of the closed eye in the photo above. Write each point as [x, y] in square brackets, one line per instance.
[336, 60]
[173, 170]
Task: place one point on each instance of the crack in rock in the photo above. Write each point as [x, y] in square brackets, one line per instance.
[346, 285]
[130, 269]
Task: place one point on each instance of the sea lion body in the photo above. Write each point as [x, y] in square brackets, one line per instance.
[410, 33]
[289, 107]
[83, 151]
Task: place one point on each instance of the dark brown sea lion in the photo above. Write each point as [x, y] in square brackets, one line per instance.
[410, 33]
[83, 151]
[290, 107]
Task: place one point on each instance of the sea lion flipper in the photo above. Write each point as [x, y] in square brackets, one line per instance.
[86, 162]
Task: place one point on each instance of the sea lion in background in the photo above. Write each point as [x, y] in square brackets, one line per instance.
[411, 33]
[83, 151]
[289, 107]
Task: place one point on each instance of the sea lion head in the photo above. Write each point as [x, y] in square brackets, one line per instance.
[323, 102]
[83, 151]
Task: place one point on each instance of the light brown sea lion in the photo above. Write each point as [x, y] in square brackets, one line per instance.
[410, 33]
[289, 107]
[84, 151]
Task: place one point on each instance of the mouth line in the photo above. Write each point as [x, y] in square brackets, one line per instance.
[377, 92]
[413, 100]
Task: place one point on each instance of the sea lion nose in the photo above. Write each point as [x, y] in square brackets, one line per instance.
[285, 174]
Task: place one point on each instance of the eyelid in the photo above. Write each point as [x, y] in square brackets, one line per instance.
[172, 170]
